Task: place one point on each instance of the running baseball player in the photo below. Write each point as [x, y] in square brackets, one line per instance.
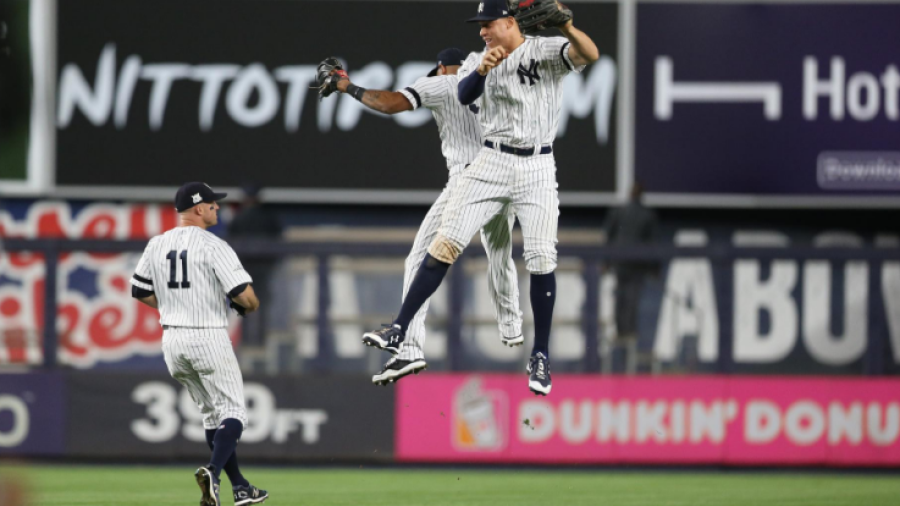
[460, 143]
[187, 273]
[516, 83]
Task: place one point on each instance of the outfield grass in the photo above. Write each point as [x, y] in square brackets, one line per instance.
[163, 486]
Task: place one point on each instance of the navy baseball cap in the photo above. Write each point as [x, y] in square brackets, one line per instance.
[449, 56]
[191, 194]
[489, 10]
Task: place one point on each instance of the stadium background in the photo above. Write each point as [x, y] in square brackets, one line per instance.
[765, 135]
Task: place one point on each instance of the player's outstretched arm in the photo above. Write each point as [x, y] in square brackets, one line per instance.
[247, 299]
[582, 50]
[388, 102]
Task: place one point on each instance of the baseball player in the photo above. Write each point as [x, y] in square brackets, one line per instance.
[460, 143]
[187, 273]
[516, 83]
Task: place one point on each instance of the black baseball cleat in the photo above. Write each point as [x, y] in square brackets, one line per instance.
[209, 486]
[539, 374]
[249, 495]
[388, 338]
[512, 341]
[396, 368]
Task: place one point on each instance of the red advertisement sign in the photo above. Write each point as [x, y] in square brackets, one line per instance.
[659, 420]
[97, 320]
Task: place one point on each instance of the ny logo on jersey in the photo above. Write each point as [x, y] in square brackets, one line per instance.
[474, 108]
[531, 73]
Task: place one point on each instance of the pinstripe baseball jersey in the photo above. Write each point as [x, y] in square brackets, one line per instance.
[457, 123]
[523, 95]
[191, 271]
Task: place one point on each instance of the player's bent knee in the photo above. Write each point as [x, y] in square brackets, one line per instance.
[541, 264]
[444, 249]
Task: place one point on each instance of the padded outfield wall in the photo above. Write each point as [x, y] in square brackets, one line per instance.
[467, 418]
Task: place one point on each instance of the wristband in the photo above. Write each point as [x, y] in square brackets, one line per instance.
[355, 91]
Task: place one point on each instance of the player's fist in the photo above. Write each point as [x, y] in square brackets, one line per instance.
[491, 59]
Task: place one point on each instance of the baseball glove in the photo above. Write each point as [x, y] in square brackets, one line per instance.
[239, 309]
[329, 72]
[536, 15]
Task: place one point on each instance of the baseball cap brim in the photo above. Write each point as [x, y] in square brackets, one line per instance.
[219, 196]
[486, 17]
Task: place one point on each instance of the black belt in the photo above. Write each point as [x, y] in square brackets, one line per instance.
[545, 150]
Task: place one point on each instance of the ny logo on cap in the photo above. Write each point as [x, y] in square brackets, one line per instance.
[196, 198]
[481, 7]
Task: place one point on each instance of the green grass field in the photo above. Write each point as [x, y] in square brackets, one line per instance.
[164, 486]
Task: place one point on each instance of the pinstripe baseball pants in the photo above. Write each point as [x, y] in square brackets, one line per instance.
[203, 360]
[496, 179]
[503, 282]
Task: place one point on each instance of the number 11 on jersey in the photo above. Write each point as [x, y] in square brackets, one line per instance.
[184, 270]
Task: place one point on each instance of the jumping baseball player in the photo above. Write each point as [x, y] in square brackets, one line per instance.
[460, 143]
[187, 273]
[516, 83]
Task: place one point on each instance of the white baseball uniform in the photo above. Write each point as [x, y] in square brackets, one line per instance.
[461, 142]
[520, 109]
[192, 271]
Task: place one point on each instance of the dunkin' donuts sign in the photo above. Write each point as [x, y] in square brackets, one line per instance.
[699, 420]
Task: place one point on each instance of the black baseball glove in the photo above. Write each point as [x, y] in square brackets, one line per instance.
[239, 309]
[536, 15]
[329, 72]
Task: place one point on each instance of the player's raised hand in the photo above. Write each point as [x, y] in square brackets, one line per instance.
[491, 59]
[328, 74]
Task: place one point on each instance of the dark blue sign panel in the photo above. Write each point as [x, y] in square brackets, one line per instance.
[768, 100]
[140, 109]
[31, 414]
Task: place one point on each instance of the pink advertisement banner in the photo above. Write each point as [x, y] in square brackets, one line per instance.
[658, 420]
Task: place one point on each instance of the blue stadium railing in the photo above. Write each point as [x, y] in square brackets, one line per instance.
[720, 256]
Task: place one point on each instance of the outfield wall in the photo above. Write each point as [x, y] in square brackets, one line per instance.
[467, 418]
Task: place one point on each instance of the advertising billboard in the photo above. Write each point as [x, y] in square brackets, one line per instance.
[687, 420]
[789, 104]
[32, 414]
[225, 97]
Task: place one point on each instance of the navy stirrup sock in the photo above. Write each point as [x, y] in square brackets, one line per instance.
[224, 442]
[543, 297]
[428, 278]
[231, 466]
